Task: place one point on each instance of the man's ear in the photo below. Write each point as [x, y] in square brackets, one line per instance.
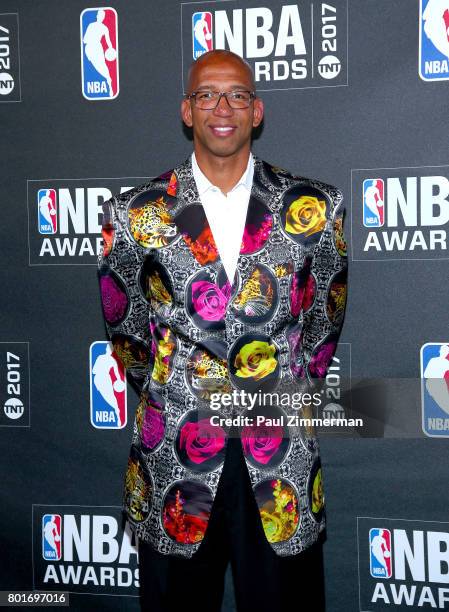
[258, 112]
[186, 112]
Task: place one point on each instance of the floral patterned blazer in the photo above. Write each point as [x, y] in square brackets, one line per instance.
[184, 333]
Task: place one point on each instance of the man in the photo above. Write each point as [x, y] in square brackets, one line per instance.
[249, 300]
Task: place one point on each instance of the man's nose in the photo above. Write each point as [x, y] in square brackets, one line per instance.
[223, 108]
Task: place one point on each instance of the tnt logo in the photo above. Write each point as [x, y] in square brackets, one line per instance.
[434, 40]
[380, 553]
[201, 33]
[373, 202]
[435, 388]
[107, 388]
[51, 537]
[99, 54]
[46, 211]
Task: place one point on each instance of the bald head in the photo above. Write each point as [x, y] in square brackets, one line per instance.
[216, 59]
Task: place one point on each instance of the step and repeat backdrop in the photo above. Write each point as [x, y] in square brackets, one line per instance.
[356, 94]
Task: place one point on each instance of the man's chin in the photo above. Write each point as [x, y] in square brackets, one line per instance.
[225, 150]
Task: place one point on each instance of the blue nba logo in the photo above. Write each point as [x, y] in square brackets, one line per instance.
[51, 537]
[107, 388]
[99, 53]
[373, 203]
[380, 553]
[201, 33]
[434, 40]
[46, 211]
[435, 389]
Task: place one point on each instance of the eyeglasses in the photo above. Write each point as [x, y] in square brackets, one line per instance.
[209, 100]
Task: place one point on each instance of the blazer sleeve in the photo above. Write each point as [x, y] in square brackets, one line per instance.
[328, 272]
[125, 310]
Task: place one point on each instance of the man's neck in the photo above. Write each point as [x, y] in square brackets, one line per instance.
[224, 172]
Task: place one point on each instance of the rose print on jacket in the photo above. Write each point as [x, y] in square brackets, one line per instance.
[113, 297]
[200, 446]
[304, 214]
[322, 356]
[210, 300]
[207, 298]
[253, 362]
[266, 444]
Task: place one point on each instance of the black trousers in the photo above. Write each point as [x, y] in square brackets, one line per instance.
[263, 581]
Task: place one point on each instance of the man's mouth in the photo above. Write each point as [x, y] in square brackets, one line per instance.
[222, 130]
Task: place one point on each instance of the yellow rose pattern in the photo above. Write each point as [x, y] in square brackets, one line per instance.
[306, 215]
[255, 360]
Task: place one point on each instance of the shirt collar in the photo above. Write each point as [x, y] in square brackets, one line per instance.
[203, 184]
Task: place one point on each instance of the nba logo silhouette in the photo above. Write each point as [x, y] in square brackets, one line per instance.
[380, 553]
[99, 53]
[46, 211]
[373, 202]
[51, 537]
[107, 388]
[435, 389]
[434, 40]
[201, 33]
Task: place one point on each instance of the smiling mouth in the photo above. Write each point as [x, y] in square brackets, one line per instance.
[222, 130]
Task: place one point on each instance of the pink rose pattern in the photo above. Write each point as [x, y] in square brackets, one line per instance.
[321, 359]
[209, 300]
[114, 300]
[261, 442]
[153, 427]
[201, 440]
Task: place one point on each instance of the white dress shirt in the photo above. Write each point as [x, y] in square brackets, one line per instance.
[226, 214]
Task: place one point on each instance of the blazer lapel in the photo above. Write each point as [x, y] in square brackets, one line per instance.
[191, 221]
[190, 218]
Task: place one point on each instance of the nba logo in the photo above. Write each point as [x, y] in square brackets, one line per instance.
[435, 389]
[107, 388]
[380, 553]
[51, 537]
[46, 211]
[99, 53]
[434, 40]
[201, 33]
[373, 202]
